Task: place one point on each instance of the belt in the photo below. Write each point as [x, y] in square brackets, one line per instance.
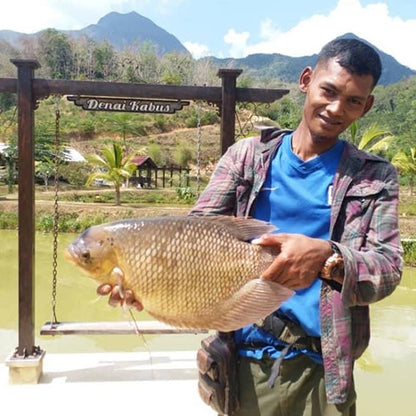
[292, 335]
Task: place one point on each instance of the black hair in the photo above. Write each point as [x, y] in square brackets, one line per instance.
[354, 55]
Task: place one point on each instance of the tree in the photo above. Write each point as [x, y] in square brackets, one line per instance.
[105, 61]
[374, 138]
[286, 112]
[405, 163]
[124, 124]
[45, 170]
[56, 52]
[10, 156]
[140, 64]
[177, 68]
[154, 150]
[83, 53]
[112, 167]
[183, 154]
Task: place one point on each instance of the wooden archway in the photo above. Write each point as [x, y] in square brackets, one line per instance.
[30, 90]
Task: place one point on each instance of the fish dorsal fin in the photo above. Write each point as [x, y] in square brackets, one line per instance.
[242, 228]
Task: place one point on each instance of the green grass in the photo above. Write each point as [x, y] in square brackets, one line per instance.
[409, 249]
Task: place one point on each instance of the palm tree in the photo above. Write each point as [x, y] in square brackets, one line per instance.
[124, 124]
[374, 139]
[112, 167]
[405, 163]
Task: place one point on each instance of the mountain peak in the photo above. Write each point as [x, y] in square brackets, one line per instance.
[122, 30]
[287, 69]
[124, 18]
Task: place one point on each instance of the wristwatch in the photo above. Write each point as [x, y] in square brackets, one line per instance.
[334, 264]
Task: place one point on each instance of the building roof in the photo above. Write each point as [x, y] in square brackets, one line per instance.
[69, 154]
[72, 155]
[145, 161]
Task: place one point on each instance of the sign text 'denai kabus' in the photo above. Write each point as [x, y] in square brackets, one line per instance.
[128, 104]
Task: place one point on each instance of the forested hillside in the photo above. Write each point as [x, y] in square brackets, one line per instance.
[62, 57]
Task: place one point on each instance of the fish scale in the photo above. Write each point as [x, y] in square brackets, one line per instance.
[195, 272]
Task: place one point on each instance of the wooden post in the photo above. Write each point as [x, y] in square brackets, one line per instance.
[25, 364]
[229, 81]
[164, 176]
[26, 162]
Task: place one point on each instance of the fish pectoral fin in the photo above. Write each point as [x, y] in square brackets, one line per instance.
[254, 301]
[117, 276]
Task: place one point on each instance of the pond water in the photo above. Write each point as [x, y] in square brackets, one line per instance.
[384, 375]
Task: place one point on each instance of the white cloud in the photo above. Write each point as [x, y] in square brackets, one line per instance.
[372, 22]
[238, 42]
[29, 16]
[197, 50]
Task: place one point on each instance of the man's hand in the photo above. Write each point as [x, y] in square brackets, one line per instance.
[125, 298]
[300, 259]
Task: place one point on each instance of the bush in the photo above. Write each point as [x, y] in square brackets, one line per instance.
[8, 220]
[45, 223]
[75, 173]
[409, 251]
[186, 194]
[183, 154]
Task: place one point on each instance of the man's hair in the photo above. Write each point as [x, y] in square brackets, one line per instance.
[354, 55]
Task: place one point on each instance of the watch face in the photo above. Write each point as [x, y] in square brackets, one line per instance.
[337, 267]
[334, 265]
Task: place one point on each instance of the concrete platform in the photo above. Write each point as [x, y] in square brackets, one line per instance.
[160, 383]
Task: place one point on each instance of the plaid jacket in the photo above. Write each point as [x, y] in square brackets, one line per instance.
[364, 224]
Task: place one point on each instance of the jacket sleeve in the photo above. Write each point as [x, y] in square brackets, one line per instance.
[372, 252]
[220, 195]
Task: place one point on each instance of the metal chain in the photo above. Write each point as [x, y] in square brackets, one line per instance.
[198, 151]
[56, 211]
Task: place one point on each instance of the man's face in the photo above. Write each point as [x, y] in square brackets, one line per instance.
[334, 99]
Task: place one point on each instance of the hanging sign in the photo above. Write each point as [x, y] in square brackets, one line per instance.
[132, 105]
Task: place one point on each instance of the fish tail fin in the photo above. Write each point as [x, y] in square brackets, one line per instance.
[254, 301]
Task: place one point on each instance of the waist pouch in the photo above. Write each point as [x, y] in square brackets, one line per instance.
[217, 373]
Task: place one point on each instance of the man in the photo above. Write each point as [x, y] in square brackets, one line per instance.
[336, 210]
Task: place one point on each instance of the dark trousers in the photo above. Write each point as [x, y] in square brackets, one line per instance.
[299, 390]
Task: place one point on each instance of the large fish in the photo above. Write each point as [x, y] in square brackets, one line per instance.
[191, 271]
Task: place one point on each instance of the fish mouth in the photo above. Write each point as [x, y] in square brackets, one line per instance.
[70, 254]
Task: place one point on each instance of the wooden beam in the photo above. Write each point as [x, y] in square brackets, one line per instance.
[8, 85]
[114, 328]
[44, 88]
[259, 95]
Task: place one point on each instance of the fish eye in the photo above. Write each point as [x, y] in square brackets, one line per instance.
[86, 256]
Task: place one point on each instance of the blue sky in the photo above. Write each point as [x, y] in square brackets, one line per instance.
[236, 28]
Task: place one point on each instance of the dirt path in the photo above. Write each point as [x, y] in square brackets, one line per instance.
[135, 210]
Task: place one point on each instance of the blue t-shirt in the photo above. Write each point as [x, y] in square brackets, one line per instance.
[296, 198]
